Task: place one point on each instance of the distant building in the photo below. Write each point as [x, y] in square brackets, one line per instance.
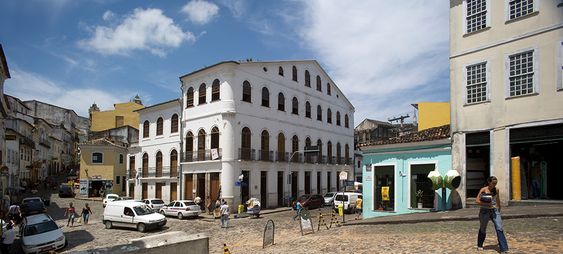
[122, 114]
[371, 131]
[432, 114]
[102, 168]
[507, 96]
[4, 74]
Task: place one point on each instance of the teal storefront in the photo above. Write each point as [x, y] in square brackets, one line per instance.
[395, 176]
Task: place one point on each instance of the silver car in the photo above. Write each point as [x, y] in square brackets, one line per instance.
[329, 198]
[181, 209]
[154, 204]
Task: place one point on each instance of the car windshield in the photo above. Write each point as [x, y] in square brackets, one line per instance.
[341, 198]
[329, 195]
[157, 202]
[142, 210]
[31, 200]
[187, 203]
[112, 197]
[40, 228]
[303, 197]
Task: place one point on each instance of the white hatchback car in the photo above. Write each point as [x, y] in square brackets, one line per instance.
[39, 233]
[109, 198]
[181, 209]
[154, 203]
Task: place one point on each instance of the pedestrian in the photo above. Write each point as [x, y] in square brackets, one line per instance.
[358, 208]
[298, 208]
[86, 212]
[217, 209]
[14, 214]
[489, 201]
[225, 215]
[71, 213]
[8, 237]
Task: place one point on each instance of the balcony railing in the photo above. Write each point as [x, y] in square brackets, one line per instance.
[265, 155]
[281, 156]
[246, 154]
[154, 172]
[202, 155]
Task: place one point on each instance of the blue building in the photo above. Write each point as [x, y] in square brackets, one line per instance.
[395, 173]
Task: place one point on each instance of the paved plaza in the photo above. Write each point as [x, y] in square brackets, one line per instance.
[525, 235]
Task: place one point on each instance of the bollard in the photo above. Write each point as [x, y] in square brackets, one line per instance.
[341, 209]
[226, 249]
[240, 209]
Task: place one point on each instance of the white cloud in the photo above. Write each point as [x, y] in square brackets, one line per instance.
[31, 86]
[200, 12]
[380, 50]
[237, 7]
[144, 29]
[108, 15]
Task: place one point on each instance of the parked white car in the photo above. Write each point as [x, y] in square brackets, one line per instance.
[133, 214]
[109, 198]
[154, 203]
[347, 199]
[181, 209]
[39, 233]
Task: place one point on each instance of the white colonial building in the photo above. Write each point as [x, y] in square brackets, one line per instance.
[243, 122]
[153, 162]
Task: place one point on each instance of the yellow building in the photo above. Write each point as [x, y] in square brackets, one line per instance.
[102, 167]
[432, 114]
[123, 114]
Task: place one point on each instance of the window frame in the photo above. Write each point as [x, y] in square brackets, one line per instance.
[319, 84]
[190, 97]
[295, 106]
[487, 18]
[280, 71]
[216, 90]
[101, 159]
[174, 128]
[487, 82]
[202, 97]
[536, 74]
[265, 97]
[160, 126]
[294, 74]
[307, 78]
[308, 109]
[281, 103]
[146, 129]
[246, 91]
[319, 113]
[507, 18]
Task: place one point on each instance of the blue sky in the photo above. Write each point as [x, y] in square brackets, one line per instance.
[384, 55]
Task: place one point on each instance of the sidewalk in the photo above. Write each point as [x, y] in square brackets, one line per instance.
[209, 217]
[509, 212]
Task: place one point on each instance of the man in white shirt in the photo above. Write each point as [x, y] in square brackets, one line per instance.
[8, 237]
[225, 215]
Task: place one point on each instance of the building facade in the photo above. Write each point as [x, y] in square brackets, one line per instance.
[122, 114]
[507, 96]
[249, 130]
[153, 163]
[102, 168]
[4, 75]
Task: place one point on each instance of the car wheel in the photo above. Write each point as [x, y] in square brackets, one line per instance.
[108, 224]
[141, 227]
[66, 244]
[162, 212]
[180, 216]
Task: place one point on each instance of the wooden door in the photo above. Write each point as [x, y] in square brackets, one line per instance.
[189, 186]
[214, 186]
[145, 191]
[173, 191]
[158, 192]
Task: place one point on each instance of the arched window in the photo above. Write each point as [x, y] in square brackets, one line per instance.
[265, 97]
[294, 73]
[202, 92]
[308, 157]
[307, 109]
[146, 129]
[265, 146]
[132, 168]
[295, 148]
[246, 91]
[320, 153]
[307, 79]
[346, 120]
[281, 147]
[338, 154]
[214, 137]
[173, 163]
[319, 113]
[245, 144]
[216, 90]
[189, 146]
[329, 152]
[281, 102]
[346, 154]
[145, 165]
[319, 84]
[201, 145]
[158, 164]
[97, 158]
[328, 88]
[338, 118]
[174, 123]
[159, 126]
[329, 116]
[190, 97]
[280, 71]
[295, 106]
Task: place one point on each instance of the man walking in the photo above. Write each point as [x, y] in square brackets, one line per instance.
[8, 237]
[225, 215]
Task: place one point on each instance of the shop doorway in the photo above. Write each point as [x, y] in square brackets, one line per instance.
[173, 191]
[158, 191]
[201, 189]
[280, 189]
[245, 186]
[419, 181]
[384, 192]
[95, 188]
[144, 193]
[294, 184]
[539, 151]
[264, 189]
[214, 186]
[328, 182]
[477, 154]
[131, 190]
[189, 186]
[307, 182]
[319, 183]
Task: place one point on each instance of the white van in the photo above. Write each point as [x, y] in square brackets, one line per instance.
[133, 214]
[348, 199]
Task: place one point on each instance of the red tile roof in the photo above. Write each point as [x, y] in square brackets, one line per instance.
[441, 132]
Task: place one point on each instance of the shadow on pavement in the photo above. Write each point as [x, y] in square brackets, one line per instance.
[77, 237]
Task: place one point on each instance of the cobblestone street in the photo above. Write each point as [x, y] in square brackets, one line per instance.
[535, 235]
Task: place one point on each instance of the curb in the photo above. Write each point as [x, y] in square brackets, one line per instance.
[466, 218]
